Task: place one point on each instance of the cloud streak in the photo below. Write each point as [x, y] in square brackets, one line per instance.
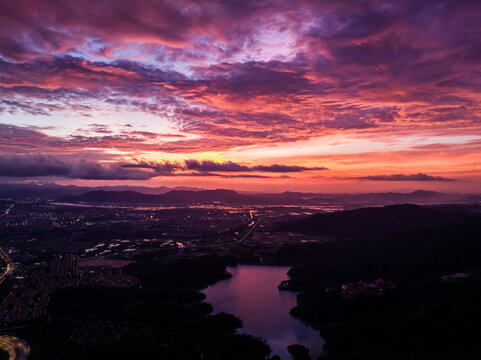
[41, 166]
[28, 166]
[404, 177]
[229, 166]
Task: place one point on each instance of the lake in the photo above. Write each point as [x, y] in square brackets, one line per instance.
[252, 295]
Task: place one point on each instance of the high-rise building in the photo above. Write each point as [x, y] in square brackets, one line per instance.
[72, 264]
[75, 265]
[67, 265]
[57, 267]
[69, 261]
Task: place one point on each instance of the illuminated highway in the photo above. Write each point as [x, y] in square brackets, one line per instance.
[17, 349]
[252, 227]
[9, 265]
[7, 211]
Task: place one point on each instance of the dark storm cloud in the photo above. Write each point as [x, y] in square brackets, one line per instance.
[229, 166]
[405, 177]
[21, 166]
[32, 166]
[41, 166]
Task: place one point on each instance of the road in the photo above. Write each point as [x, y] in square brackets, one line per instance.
[9, 265]
[17, 349]
[7, 211]
[253, 226]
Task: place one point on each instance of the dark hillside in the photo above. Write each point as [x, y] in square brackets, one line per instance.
[373, 221]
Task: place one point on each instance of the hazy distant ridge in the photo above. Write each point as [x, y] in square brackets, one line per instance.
[181, 195]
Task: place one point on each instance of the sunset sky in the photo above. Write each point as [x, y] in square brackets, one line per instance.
[327, 96]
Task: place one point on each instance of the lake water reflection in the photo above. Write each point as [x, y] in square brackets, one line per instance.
[252, 295]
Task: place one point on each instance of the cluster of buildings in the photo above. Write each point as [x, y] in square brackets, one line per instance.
[455, 277]
[362, 288]
[29, 298]
[63, 266]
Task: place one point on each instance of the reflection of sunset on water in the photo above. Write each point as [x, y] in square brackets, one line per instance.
[253, 296]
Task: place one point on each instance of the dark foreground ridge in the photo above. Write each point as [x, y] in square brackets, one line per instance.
[166, 318]
[426, 302]
[376, 221]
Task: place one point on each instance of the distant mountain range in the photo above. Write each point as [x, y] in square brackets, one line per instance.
[52, 191]
[173, 197]
[162, 195]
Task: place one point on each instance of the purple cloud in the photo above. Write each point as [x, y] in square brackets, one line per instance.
[405, 177]
[229, 166]
[40, 166]
[33, 166]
